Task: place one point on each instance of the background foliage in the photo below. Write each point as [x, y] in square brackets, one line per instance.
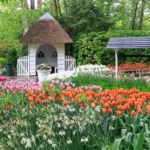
[91, 47]
[90, 23]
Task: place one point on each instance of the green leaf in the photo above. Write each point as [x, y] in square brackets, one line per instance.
[116, 144]
[128, 137]
[139, 141]
[103, 147]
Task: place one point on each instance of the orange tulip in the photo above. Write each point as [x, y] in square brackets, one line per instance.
[104, 110]
[65, 102]
[119, 113]
[133, 113]
[32, 97]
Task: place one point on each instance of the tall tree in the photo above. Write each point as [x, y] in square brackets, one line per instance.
[25, 7]
[39, 4]
[142, 14]
[84, 16]
[55, 7]
[32, 4]
[65, 8]
[134, 13]
[108, 8]
[59, 7]
[25, 4]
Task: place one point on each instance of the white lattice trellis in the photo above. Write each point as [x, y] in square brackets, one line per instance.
[23, 66]
[70, 63]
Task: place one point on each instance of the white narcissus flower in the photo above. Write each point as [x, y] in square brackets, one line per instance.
[74, 132]
[50, 141]
[111, 128]
[23, 140]
[58, 125]
[84, 140]
[54, 145]
[9, 136]
[62, 133]
[71, 109]
[69, 141]
[44, 137]
[114, 117]
[33, 138]
[28, 144]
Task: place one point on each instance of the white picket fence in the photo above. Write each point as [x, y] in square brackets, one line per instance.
[23, 67]
[70, 63]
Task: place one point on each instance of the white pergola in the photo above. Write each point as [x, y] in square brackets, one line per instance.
[127, 43]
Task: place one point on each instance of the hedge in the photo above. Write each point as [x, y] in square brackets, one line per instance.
[91, 47]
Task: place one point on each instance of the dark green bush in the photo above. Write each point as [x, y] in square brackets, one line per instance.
[90, 48]
[12, 58]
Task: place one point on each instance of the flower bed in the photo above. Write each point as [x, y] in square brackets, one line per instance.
[133, 67]
[15, 85]
[61, 115]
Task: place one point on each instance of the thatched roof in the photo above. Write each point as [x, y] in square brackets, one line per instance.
[46, 30]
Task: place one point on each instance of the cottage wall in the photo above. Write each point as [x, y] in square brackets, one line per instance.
[48, 55]
[32, 49]
[60, 56]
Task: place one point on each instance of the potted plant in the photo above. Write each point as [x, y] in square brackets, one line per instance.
[43, 71]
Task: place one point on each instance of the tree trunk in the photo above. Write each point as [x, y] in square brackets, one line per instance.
[25, 4]
[39, 4]
[32, 4]
[109, 7]
[65, 8]
[134, 13]
[25, 15]
[142, 14]
[59, 8]
[55, 7]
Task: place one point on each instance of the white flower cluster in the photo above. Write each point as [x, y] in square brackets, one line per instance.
[84, 139]
[66, 122]
[69, 141]
[61, 75]
[92, 69]
[27, 141]
[62, 126]
[147, 78]
[51, 142]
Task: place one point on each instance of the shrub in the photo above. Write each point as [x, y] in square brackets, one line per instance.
[90, 47]
[2, 61]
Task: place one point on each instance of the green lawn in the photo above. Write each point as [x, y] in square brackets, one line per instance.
[110, 83]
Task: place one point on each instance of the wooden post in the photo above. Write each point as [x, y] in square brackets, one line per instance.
[116, 63]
